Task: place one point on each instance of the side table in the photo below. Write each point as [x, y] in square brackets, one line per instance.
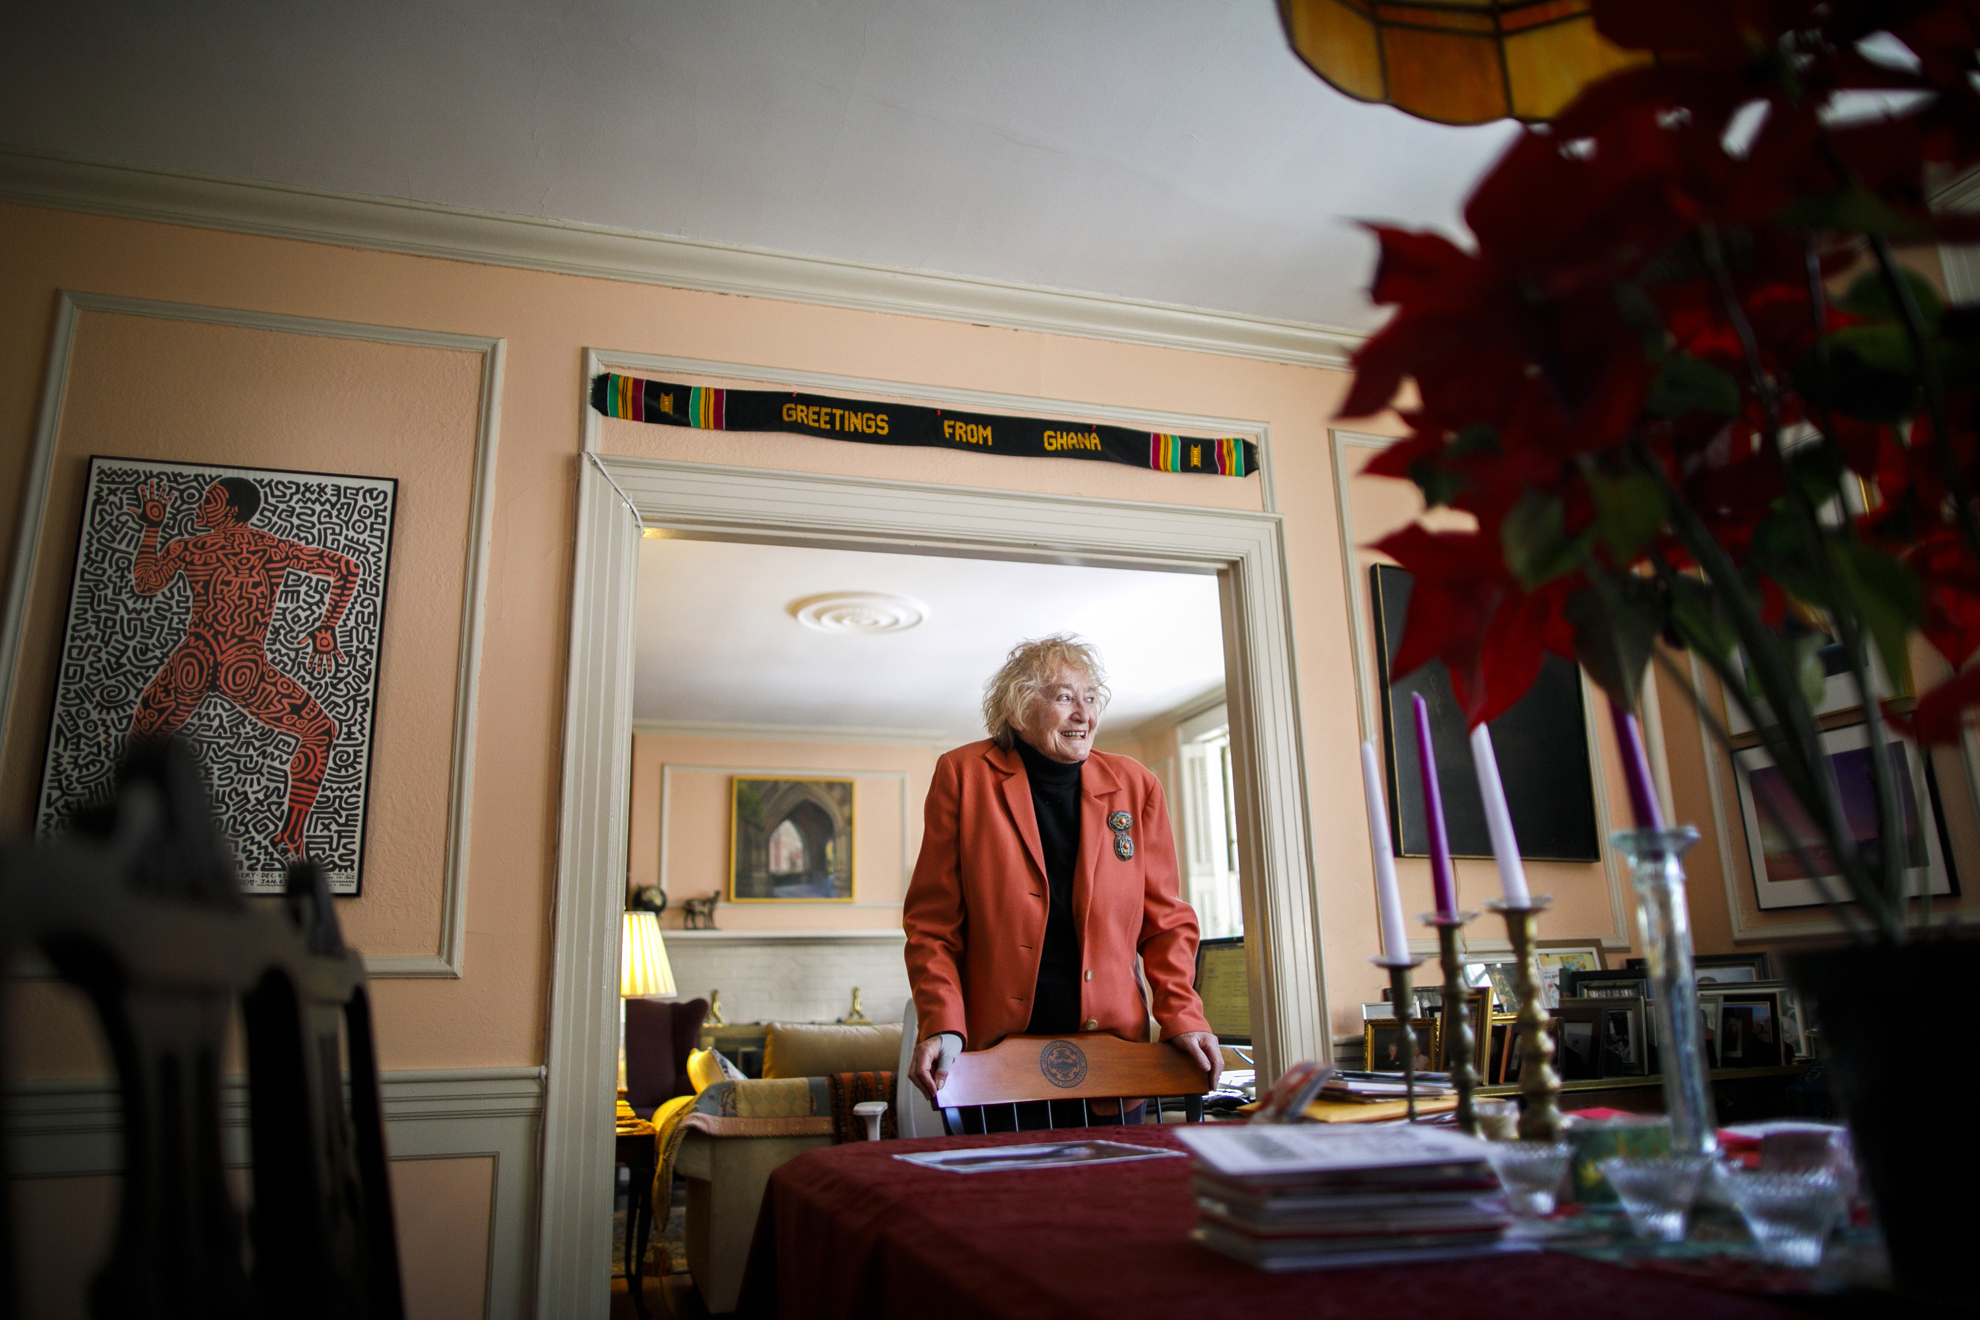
[639, 1153]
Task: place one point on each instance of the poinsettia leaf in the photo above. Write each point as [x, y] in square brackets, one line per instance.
[1437, 482]
[1870, 295]
[1639, 313]
[1886, 596]
[1535, 540]
[1699, 622]
[1853, 208]
[1854, 387]
[1780, 550]
[1480, 438]
[1614, 645]
[1689, 384]
[1629, 512]
[1881, 345]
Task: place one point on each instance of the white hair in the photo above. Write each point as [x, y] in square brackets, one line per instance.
[1027, 670]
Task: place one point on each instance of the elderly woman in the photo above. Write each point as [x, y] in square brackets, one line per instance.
[1045, 868]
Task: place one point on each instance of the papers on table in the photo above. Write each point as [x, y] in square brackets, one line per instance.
[1052, 1155]
[1280, 1152]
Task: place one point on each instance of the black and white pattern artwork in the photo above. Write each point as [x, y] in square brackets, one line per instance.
[241, 609]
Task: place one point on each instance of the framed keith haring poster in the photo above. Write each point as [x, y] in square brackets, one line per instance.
[241, 609]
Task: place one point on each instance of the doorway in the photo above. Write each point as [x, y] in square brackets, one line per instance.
[619, 498]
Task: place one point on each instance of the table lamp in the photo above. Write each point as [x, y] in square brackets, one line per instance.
[643, 971]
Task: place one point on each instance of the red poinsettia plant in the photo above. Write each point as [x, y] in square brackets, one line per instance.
[1691, 397]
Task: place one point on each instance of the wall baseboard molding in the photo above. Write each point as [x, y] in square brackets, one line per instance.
[564, 247]
[71, 1128]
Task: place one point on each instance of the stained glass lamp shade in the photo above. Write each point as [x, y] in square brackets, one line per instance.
[1455, 61]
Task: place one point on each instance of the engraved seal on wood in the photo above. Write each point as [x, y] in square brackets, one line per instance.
[1063, 1063]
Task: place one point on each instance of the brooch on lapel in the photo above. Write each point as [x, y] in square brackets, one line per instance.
[1120, 822]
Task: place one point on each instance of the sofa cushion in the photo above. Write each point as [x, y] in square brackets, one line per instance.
[808, 1049]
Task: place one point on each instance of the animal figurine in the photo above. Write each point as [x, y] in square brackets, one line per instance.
[858, 1013]
[699, 913]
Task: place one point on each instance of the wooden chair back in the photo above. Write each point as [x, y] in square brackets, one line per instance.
[1084, 1067]
[140, 907]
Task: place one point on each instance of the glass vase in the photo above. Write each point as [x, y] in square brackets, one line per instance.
[1663, 927]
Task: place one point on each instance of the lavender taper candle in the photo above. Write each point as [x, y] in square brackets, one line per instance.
[1442, 880]
[1643, 803]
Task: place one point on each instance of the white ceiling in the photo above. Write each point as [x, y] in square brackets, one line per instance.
[718, 644]
[1172, 150]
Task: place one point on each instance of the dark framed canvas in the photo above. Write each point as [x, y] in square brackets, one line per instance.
[1541, 744]
[1780, 879]
[791, 840]
[241, 609]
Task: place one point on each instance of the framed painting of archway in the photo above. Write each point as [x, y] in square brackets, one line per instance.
[791, 840]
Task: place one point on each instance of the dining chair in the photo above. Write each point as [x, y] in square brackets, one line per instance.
[139, 905]
[1084, 1068]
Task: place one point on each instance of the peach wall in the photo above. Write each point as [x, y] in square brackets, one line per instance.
[495, 1014]
[890, 782]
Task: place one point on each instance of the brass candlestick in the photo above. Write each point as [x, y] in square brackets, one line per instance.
[1539, 1084]
[1458, 1040]
[1404, 1001]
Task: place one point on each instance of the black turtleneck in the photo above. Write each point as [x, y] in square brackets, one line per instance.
[1055, 801]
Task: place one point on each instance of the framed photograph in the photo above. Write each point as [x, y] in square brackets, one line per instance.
[1542, 745]
[1778, 873]
[1625, 1038]
[1381, 1045]
[1750, 1030]
[1839, 694]
[1500, 978]
[1558, 956]
[1580, 1026]
[1719, 968]
[1793, 1033]
[1509, 1068]
[1478, 1015]
[791, 840]
[242, 610]
[1619, 984]
[1708, 1015]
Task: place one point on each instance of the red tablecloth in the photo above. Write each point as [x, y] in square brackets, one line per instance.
[852, 1232]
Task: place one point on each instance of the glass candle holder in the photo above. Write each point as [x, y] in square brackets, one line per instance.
[1531, 1172]
[1657, 1193]
[1663, 926]
[1789, 1214]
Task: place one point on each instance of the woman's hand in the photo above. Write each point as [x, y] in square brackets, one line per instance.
[1202, 1049]
[929, 1070]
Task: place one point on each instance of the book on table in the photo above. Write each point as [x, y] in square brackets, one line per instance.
[1310, 1197]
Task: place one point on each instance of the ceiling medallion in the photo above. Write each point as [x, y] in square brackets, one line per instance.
[858, 612]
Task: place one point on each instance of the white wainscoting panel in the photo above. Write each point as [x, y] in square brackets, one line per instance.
[67, 1129]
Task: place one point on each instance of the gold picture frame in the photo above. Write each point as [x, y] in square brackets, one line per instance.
[790, 839]
[1429, 1043]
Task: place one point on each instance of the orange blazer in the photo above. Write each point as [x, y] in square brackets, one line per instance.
[975, 909]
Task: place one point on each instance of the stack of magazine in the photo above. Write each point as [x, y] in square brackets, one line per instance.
[1372, 1087]
[1285, 1197]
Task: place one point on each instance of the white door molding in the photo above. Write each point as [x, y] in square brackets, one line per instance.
[1247, 552]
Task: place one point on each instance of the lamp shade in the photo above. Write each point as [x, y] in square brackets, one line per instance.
[643, 968]
[1456, 61]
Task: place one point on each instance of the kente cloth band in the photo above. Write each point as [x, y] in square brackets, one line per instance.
[635, 400]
